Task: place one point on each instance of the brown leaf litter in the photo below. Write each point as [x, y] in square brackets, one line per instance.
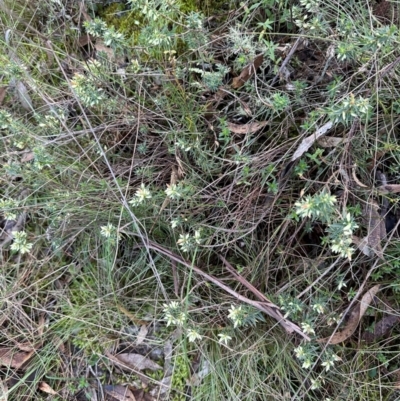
[354, 319]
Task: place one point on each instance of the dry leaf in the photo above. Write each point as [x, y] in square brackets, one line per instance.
[247, 72]
[3, 91]
[13, 359]
[141, 395]
[356, 180]
[46, 388]
[23, 96]
[120, 393]
[27, 157]
[27, 347]
[375, 226]
[142, 334]
[389, 188]
[84, 40]
[50, 53]
[381, 328]
[246, 128]
[115, 360]
[355, 316]
[168, 368]
[3, 391]
[138, 362]
[198, 377]
[330, 141]
[362, 245]
[306, 143]
[101, 47]
[164, 386]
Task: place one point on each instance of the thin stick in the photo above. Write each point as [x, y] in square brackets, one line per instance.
[319, 278]
[287, 59]
[265, 306]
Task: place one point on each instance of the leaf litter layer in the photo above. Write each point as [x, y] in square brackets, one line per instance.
[202, 205]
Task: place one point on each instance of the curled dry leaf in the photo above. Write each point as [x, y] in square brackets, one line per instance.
[119, 392]
[138, 362]
[246, 128]
[247, 72]
[13, 359]
[354, 319]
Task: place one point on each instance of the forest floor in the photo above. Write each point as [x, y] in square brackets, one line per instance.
[199, 200]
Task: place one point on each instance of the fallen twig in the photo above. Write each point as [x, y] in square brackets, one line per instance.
[263, 305]
[274, 309]
[287, 59]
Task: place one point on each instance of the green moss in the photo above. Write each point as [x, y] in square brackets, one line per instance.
[187, 6]
[179, 377]
[122, 19]
[207, 7]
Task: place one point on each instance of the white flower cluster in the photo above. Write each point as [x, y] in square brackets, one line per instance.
[20, 243]
[175, 315]
[142, 194]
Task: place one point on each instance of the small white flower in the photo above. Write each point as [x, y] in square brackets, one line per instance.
[108, 230]
[174, 314]
[185, 242]
[171, 305]
[135, 65]
[173, 191]
[304, 208]
[299, 352]
[236, 314]
[10, 215]
[197, 237]
[334, 319]
[20, 243]
[330, 363]
[307, 328]
[175, 223]
[183, 145]
[180, 319]
[315, 384]
[341, 284]
[307, 363]
[143, 193]
[224, 338]
[319, 307]
[193, 335]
